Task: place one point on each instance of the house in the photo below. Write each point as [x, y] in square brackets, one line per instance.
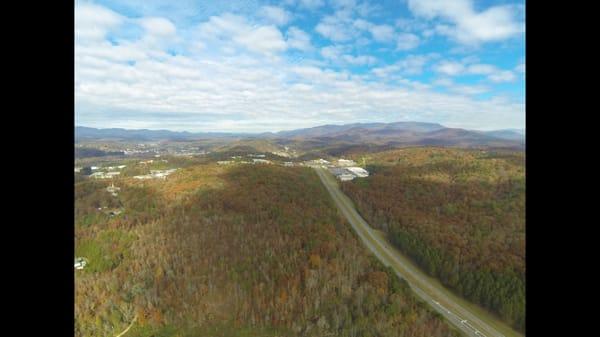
[224, 162]
[112, 189]
[288, 163]
[80, 262]
[261, 161]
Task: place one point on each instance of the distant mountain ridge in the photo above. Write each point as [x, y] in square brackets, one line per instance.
[397, 133]
[83, 132]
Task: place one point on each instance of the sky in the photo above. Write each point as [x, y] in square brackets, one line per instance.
[256, 66]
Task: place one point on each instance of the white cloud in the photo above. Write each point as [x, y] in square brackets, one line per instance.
[444, 82]
[276, 15]
[362, 24]
[338, 55]
[136, 85]
[502, 76]
[311, 4]
[492, 73]
[468, 26]
[298, 39]
[410, 65]
[461, 89]
[343, 3]
[469, 89]
[92, 22]
[266, 39]
[450, 68]
[407, 41]
[481, 69]
[360, 59]
[244, 95]
[380, 33]
[411, 25]
[332, 52]
[520, 68]
[159, 27]
[223, 26]
[229, 27]
[336, 27]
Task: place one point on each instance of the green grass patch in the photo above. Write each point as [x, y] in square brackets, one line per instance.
[106, 251]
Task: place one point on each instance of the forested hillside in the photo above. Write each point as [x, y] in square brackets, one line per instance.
[232, 251]
[460, 214]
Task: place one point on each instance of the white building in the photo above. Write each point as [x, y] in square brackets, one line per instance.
[80, 262]
[261, 161]
[97, 175]
[162, 174]
[112, 189]
[358, 171]
[345, 176]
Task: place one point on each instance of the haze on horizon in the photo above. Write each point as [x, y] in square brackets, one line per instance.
[260, 66]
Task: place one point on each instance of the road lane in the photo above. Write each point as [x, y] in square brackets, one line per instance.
[441, 300]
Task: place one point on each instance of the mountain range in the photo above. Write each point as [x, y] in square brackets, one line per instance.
[395, 134]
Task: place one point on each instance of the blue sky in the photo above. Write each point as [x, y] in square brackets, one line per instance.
[254, 66]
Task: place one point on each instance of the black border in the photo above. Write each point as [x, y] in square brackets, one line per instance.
[40, 232]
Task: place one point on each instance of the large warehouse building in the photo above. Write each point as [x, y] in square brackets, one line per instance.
[348, 173]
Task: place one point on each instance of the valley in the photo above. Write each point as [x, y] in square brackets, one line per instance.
[246, 237]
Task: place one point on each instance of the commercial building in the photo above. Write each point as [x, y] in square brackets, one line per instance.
[348, 173]
[358, 171]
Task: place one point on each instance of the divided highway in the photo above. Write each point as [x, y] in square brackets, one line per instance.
[469, 319]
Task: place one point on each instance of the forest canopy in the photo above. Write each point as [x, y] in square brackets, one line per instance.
[233, 251]
[459, 214]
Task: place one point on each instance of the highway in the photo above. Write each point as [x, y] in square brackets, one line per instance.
[468, 318]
